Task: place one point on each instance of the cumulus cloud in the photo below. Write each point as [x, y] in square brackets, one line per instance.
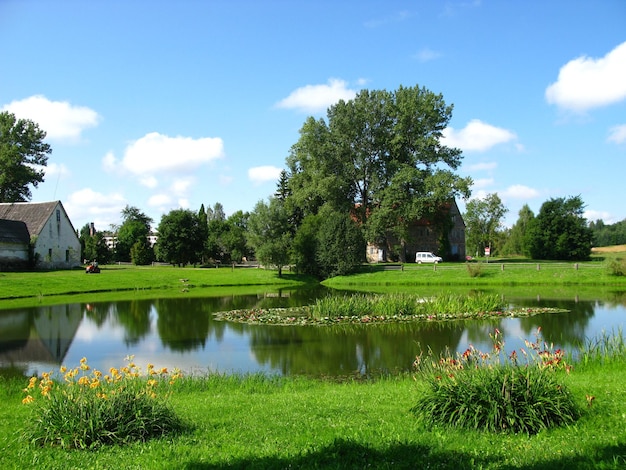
[606, 217]
[87, 205]
[519, 191]
[617, 134]
[586, 83]
[483, 166]
[477, 136]
[60, 119]
[160, 200]
[149, 182]
[482, 183]
[263, 174]
[57, 169]
[317, 98]
[157, 153]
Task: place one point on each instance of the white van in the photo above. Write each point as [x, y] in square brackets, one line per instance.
[427, 257]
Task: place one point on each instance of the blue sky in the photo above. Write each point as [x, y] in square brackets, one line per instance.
[162, 105]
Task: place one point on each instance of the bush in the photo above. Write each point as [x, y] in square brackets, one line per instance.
[92, 409]
[617, 267]
[474, 269]
[494, 393]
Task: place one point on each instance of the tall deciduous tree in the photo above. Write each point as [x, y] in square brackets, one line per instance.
[180, 237]
[269, 233]
[23, 156]
[560, 232]
[483, 220]
[381, 151]
[516, 240]
[135, 227]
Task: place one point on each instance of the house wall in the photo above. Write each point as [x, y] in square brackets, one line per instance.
[57, 245]
[424, 236]
[13, 253]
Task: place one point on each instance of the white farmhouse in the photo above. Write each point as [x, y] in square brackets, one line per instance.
[55, 244]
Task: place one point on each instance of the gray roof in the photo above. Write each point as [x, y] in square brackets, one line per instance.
[33, 214]
[13, 231]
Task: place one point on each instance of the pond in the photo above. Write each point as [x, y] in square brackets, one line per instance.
[182, 333]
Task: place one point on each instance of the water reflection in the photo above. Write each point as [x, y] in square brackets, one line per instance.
[183, 333]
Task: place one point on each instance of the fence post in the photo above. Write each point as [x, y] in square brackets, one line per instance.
[576, 266]
[538, 267]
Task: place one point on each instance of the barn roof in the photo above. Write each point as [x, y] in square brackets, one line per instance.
[33, 214]
[13, 231]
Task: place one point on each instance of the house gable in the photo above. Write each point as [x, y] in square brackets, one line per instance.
[56, 244]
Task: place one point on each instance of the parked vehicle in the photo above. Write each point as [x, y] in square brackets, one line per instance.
[427, 257]
[92, 268]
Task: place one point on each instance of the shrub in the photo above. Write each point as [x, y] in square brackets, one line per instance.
[91, 409]
[474, 269]
[493, 392]
[617, 267]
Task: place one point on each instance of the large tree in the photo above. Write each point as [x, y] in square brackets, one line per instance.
[135, 228]
[381, 151]
[269, 233]
[560, 232]
[180, 237]
[516, 240]
[483, 221]
[23, 157]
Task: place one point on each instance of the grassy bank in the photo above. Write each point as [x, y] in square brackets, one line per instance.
[267, 422]
[480, 274]
[132, 282]
[124, 282]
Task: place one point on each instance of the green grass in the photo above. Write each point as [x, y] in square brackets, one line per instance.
[124, 282]
[266, 422]
[494, 273]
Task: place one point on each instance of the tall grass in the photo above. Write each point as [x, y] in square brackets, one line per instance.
[399, 304]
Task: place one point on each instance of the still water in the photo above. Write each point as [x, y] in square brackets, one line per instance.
[182, 333]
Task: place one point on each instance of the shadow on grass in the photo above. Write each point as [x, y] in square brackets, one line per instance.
[345, 454]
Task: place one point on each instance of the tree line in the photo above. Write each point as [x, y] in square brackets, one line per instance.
[363, 174]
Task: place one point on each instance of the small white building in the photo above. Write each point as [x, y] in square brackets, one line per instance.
[55, 244]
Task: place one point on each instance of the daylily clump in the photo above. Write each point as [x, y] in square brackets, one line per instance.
[88, 408]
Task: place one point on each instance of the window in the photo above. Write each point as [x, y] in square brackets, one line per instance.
[67, 256]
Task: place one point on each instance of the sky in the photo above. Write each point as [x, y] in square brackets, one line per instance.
[163, 105]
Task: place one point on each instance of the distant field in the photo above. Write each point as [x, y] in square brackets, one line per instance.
[609, 249]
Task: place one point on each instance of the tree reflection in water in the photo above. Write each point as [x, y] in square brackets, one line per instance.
[45, 337]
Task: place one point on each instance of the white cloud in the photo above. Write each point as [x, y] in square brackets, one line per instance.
[482, 183]
[483, 166]
[181, 186]
[477, 136]
[155, 153]
[317, 98]
[606, 217]
[149, 182]
[60, 119]
[427, 54]
[617, 134]
[109, 162]
[586, 83]
[160, 200]
[519, 191]
[263, 174]
[87, 205]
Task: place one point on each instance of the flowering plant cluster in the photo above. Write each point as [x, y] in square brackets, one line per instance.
[88, 408]
[496, 391]
[537, 353]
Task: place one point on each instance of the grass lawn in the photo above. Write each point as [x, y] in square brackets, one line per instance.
[124, 282]
[265, 422]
